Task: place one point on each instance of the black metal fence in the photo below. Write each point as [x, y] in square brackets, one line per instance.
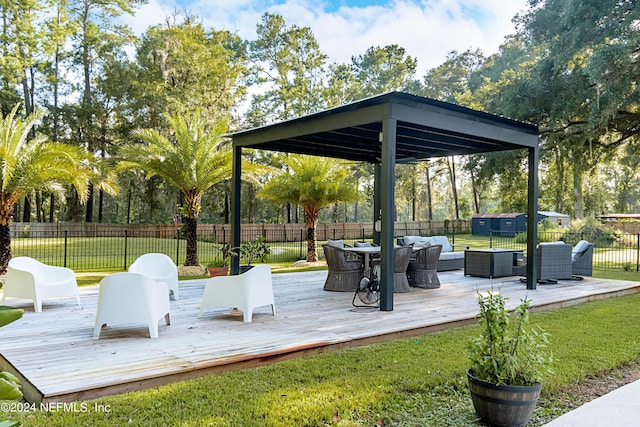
[612, 250]
[115, 250]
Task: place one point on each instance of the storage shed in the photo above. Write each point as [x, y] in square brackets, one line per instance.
[561, 220]
[507, 224]
[510, 224]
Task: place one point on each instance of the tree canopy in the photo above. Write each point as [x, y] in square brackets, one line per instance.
[571, 67]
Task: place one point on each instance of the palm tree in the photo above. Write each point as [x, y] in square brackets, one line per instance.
[193, 158]
[29, 164]
[313, 183]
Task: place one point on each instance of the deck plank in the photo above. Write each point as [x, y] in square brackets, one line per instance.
[55, 353]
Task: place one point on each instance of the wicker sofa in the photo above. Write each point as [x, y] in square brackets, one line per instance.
[448, 259]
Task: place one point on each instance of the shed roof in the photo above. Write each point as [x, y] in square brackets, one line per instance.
[498, 215]
[553, 214]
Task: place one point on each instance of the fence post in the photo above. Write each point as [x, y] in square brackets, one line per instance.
[126, 245]
[66, 232]
[638, 252]
[490, 238]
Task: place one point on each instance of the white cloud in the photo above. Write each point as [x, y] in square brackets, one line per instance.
[427, 29]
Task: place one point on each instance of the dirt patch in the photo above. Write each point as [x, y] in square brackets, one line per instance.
[594, 387]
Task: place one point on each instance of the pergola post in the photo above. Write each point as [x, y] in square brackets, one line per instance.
[236, 173]
[532, 219]
[376, 201]
[387, 194]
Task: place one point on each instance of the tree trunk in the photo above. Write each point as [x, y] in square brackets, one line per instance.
[311, 219]
[227, 210]
[51, 207]
[578, 197]
[476, 198]
[559, 180]
[26, 213]
[100, 203]
[191, 226]
[89, 213]
[129, 206]
[452, 174]
[38, 207]
[5, 247]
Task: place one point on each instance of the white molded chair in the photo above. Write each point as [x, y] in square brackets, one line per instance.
[132, 298]
[160, 268]
[245, 291]
[30, 279]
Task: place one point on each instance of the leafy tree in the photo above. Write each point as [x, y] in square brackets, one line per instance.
[193, 157]
[184, 67]
[30, 164]
[588, 74]
[289, 61]
[97, 38]
[312, 183]
[383, 69]
[449, 80]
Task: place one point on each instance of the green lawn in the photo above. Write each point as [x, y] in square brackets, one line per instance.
[117, 253]
[416, 381]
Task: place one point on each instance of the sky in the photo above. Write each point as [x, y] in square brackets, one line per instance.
[427, 29]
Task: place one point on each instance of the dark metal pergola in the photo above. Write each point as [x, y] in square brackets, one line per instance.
[384, 130]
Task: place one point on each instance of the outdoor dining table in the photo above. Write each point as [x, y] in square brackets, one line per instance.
[366, 252]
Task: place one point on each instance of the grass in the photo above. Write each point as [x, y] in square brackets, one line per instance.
[114, 253]
[416, 381]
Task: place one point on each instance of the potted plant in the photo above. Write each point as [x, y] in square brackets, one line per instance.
[220, 267]
[252, 251]
[508, 362]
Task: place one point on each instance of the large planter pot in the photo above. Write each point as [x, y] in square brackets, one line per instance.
[503, 405]
[218, 271]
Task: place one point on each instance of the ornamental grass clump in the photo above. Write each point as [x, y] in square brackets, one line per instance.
[508, 352]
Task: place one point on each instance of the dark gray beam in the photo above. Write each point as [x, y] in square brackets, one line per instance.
[461, 123]
[236, 173]
[316, 123]
[387, 194]
[532, 220]
[376, 201]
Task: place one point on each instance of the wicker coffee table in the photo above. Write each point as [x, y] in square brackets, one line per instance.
[489, 263]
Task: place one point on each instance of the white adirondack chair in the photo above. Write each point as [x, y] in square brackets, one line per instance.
[160, 268]
[30, 279]
[245, 291]
[132, 298]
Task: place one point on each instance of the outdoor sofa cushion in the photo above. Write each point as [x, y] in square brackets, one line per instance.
[448, 259]
[581, 247]
[418, 241]
[336, 243]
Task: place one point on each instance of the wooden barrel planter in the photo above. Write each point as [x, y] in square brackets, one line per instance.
[503, 405]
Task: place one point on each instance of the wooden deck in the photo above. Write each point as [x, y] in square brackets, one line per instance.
[55, 355]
